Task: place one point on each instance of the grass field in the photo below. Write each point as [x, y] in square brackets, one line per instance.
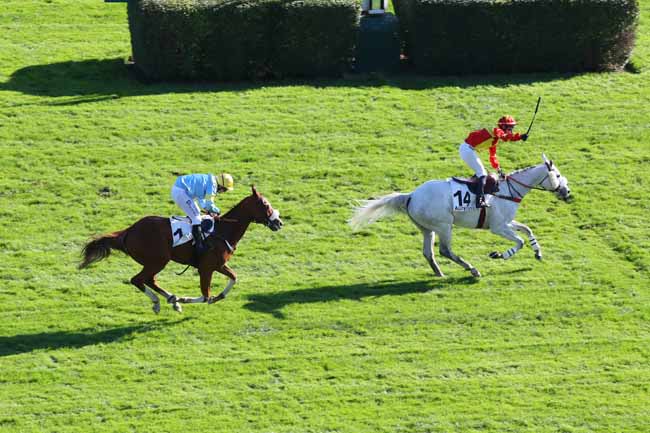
[326, 330]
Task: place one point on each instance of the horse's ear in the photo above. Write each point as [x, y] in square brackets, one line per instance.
[548, 163]
[254, 191]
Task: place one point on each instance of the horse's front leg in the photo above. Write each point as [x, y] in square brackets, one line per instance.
[206, 279]
[232, 279]
[531, 237]
[507, 232]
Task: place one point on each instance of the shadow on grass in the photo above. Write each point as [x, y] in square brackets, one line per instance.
[101, 79]
[515, 271]
[274, 302]
[25, 343]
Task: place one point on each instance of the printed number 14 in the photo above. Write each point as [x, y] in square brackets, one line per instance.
[466, 199]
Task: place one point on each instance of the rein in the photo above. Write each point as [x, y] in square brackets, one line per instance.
[511, 188]
[183, 271]
[536, 186]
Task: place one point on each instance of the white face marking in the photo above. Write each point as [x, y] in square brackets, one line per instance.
[563, 190]
[275, 215]
[553, 177]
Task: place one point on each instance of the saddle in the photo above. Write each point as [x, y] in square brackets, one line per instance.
[491, 183]
[207, 226]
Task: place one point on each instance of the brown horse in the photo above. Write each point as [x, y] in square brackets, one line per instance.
[149, 242]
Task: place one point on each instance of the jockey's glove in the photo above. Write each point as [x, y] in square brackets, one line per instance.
[524, 137]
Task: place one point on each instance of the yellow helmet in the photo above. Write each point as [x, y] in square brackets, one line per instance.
[225, 180]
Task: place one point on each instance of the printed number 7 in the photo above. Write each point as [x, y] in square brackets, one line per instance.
[179, 232]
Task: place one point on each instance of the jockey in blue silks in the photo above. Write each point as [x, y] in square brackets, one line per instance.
[189, 189]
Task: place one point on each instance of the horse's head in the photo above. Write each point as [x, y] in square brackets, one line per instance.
[262, 212]
[555, 181]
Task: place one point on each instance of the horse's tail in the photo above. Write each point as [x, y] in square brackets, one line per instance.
[100, 248]
[370, 211]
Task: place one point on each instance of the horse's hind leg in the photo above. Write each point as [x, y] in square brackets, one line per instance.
[171, 298]
[427, 250]
[445, 250]
[531, 237]
[139, 282]
[147, 276]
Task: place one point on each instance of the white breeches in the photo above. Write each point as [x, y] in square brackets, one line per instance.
[185, 202]
[469, 155]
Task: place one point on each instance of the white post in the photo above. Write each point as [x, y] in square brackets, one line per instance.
[373, 7]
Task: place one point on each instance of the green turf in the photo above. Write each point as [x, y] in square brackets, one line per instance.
[326, 331]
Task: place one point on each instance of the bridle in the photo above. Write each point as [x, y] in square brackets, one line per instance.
[231, 248]
[272, 219]
[538, 185]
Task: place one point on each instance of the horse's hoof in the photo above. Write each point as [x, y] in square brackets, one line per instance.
[214, 299]
[156, 307]
[177, 307]
[475, 273]
[538, 256]
[496, 255]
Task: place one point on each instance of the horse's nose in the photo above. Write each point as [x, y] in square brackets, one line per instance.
[275, 224]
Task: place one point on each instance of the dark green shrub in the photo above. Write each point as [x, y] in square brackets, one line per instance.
[242, 39]
[481, 36]
[317, 37]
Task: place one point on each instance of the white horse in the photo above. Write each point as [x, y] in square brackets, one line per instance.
[431, 208]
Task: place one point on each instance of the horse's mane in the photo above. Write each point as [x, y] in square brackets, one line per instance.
[523, 169]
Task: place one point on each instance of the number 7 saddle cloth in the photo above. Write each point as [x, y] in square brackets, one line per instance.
[181, 227]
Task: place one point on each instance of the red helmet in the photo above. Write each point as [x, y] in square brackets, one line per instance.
[506, 121]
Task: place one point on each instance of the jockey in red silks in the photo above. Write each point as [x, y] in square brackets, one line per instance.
[485, 138]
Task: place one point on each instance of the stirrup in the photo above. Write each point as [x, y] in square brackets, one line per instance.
[481, 203]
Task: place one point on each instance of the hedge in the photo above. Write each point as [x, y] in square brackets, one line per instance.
[479, 36]
[242, 39]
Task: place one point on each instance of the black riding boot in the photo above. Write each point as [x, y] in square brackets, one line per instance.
[199, 244]
[480, 196]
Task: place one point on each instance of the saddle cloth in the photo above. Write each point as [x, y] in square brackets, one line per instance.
[182, 228]
[463, 199]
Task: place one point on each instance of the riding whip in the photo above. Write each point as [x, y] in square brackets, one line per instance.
[539, 99]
